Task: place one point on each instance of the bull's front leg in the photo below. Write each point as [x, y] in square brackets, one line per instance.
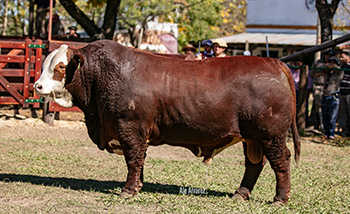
[134, 148]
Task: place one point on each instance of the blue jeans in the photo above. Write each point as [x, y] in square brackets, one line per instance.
[330, 105]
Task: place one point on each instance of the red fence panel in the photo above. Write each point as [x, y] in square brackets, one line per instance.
[20, 67]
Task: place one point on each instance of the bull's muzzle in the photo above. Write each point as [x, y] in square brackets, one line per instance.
[38, 88]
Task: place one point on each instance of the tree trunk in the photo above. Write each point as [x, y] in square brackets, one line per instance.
[110, 18]
[326, 13]
[5, 18]
[89, 26]
[31, 19]
[133, 34]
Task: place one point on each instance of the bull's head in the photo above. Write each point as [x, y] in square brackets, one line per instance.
[53, 77]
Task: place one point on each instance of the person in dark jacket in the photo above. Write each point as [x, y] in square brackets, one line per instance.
[57, 27]
[318, 76]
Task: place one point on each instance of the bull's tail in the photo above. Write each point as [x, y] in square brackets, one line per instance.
[296, 140]
[295, 132]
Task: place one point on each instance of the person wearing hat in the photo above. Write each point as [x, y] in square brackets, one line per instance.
[73, 33]
[330, 97]
[318, 76]
[208, 49]
[219, 46]
[189, 51]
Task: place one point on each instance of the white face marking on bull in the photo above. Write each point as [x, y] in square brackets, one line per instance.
[51, 84]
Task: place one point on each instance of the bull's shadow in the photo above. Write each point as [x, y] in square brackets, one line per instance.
[97, 186]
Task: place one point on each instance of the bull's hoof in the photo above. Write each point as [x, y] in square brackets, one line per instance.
[125, 195]
[277, 204]
[238, 198]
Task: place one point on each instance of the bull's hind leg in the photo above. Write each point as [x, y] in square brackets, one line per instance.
[279, 157]
[252, 172]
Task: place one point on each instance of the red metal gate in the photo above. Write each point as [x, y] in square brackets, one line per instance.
[20, 67]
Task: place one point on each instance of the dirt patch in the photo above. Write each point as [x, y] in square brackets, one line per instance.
[71, 126]
[35, 128]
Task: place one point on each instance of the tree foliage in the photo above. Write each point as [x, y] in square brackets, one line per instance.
[197, 19]
[134, 15]
[233, 15]
[343, 15]
[16, 14]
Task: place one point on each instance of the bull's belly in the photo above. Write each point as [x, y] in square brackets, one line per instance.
[201, 145]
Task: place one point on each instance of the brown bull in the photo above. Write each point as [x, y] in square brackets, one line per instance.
[132, 99]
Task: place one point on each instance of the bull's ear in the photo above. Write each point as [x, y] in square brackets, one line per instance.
[76, 62]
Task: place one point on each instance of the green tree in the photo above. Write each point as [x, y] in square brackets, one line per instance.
[196, 19]
[344, 14]
[13, 17]
[233, 16]
[134, 15]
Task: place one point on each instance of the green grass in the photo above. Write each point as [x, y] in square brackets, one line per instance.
[62, 176]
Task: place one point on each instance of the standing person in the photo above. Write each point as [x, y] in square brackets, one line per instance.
[318, 77]
[57, 27]
[208, 49]
[41, 12]
[330, 97]
[296, 78]
[219, 46]
[189, 51]
[344, 105]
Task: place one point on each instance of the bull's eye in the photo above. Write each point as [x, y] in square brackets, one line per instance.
[62, 66]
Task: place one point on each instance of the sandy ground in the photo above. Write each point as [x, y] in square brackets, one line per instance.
[25, 126]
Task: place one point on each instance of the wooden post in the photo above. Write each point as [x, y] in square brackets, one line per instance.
[302, 95]
[26, 73]
[314, 49]
[48, 117]
[50, 21]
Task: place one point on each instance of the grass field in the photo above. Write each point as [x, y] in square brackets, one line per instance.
[54, 175]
